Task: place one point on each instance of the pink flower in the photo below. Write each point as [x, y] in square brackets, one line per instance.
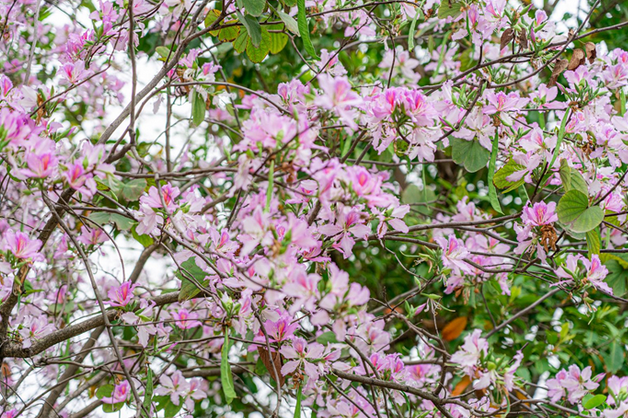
[297, 357]
[21, 246]
[121, 296]
[174, 385]
[74, 72]
[502, 102]
[154, 201]
[468, 355]
[35, 328]
[349, 224]
[418, 108]
[454, 253]
[92, 236]
[596, 273]
[185, 319]
[574, 383]
[338, 96]
[539, 214]
[40, 166]
[120, 393]
[279, 330]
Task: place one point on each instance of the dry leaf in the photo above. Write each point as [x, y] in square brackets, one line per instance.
[591, 51]
[523, 39]
[461, 387]
[561, 65]
[272, 365]
[577, 59]
[453, 329]
[507, 36]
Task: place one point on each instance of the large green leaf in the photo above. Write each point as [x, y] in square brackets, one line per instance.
[449, 8]
[572, 179]
[470, 154]
[189, 289]
[133, 190]
[573, 210]
[258, 53]
[594, 241]
[254, 7]
[594, 401]
[122, 222]
[278, 42]
[510, 168]
[617, 277]
[252, 27]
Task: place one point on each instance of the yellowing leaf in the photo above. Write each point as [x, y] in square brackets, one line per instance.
[453, 329]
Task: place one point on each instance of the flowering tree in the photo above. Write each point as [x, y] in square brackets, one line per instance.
[313, 208]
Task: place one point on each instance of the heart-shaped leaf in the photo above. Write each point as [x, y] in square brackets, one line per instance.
[573, 210]
[470, 154]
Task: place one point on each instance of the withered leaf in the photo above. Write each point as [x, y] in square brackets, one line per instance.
[523, 39]
[561, 65]
[507, 36]
[453, 329]
[591, 51]
[272, 364]
[461, 387]
[577, 59]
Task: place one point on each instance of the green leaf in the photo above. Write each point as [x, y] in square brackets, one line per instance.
[470, 154]
[615, 357]
[492, 192]
[449, 8]
[104, 391]
[297, 408]
[594, 402]
[164, 403]
[145, 240]
[617, 277]
[148, 395]
[189, 289]
[254, 7]
[594, 241]
[257, 54]
[304, 29]
[412, 194]
[412, 32]
[109, 408]
[230, 33]
[211, 17]
[253, 28]
[572, 179]
[327, 337]
[163, 51]
[198, 108]
[101, 218]
[559, 139]
[242, 41]
[573, 210]
[269, 190]
[132, 190]
[510, 168]
[226, 377]
[289, 21]
[278, 42]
